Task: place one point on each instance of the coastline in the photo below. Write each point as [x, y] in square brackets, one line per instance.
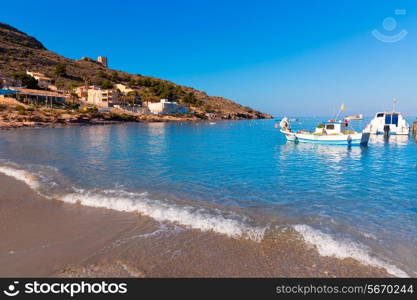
[43, 237]
[14, 114]
[58, 123]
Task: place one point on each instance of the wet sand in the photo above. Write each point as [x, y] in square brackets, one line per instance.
[41, 237]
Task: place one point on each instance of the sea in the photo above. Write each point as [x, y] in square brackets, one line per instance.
[238, 179]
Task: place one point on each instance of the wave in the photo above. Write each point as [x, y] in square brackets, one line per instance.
[21, 175]
[328, 246]
[188, 216]
[191, 217]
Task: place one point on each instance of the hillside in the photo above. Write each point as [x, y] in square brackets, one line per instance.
[20, 52]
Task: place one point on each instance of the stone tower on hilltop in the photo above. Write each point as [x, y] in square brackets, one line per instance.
[102, 60]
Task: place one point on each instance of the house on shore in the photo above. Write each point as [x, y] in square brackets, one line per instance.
[211, 115]
[7, 82]
[39, 96]
[99, 97]
[43, 81]
[102, 97]
[82, 92]
[166, 107]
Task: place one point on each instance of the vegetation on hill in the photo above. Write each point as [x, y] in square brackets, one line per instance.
[20, 52]
[27, 80]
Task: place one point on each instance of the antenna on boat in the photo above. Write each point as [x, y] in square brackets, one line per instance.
[342, 108]
[394, 101]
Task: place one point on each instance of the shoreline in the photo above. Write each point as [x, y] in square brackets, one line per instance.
[141, 119]
[50, 238]
[24, 125]
[14, 114]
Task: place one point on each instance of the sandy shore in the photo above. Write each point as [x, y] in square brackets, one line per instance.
[42, 237]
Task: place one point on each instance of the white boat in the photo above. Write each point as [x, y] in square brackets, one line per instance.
[357, 117]
[388, 123]
[332, 132]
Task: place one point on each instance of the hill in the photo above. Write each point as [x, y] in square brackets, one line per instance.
[20, 52]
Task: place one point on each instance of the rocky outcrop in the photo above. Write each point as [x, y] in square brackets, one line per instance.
[12, 36]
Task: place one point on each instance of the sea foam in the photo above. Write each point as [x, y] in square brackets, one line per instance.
[327, 246]
[21, 175]
[188, 216]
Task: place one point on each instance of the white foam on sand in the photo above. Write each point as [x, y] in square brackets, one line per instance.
[21, 175]
[188, 216]
[328, 246]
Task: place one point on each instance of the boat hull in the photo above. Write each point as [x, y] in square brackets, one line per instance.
[407, 132]
[342, 139]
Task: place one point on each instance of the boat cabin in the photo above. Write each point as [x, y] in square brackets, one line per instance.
[388, 123]
[388, 117]
[331, 127]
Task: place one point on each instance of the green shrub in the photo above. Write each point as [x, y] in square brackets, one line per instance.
[88, 109]
[72, 105]
[105, 84]
[21, 110]
[27, 80]
[35, 119]
[122, 117]
[60, 70]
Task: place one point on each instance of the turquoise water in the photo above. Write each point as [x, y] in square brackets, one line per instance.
[237, 178]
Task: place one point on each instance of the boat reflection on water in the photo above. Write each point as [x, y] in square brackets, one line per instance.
[395, 140]
[329, 153]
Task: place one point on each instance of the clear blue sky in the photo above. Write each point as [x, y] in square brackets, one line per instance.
[283, 57]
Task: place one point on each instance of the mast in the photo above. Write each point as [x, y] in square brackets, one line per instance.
[394, 101]
[342, 108]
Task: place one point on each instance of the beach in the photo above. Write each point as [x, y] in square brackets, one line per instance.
[43, 238]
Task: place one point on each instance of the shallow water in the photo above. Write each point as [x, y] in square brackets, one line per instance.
[240, 179]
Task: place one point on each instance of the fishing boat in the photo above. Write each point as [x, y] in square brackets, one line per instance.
[357, 117]
[388, 123]
[332, 132]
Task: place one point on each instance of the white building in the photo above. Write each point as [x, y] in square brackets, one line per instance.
[166, 107]
[102, 97]
[82, 91]
[43, 81]
[123, 88]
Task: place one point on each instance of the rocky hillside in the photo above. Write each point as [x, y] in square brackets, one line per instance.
[20, 52]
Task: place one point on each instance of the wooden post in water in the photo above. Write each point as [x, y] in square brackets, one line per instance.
[415, 128]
